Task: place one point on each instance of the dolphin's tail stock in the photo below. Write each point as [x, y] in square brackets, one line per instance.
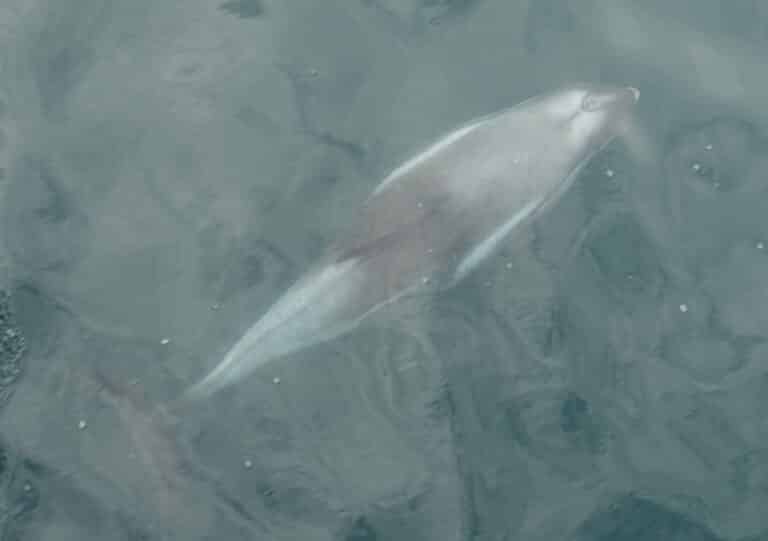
[319, 307]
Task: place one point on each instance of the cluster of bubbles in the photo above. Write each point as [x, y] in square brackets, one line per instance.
[12, 348]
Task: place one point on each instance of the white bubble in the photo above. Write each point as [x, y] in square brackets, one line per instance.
[276, 381]
[708, 147]
[248, 464]
[609, 173]
[165, 341]
[760, 245]
[82, 424]
[696, 167]
[683, 308]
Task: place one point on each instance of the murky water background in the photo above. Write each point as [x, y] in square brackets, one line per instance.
[169, 168]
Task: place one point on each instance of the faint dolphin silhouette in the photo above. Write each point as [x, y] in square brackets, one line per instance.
[436, 218]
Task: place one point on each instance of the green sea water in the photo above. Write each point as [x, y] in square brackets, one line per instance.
[168, 168]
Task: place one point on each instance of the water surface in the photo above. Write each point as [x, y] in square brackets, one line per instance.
[169, 168]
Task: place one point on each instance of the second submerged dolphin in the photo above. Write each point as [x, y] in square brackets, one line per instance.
[436, 218]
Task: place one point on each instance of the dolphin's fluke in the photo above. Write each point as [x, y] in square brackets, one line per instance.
[317, 308]
[221, 376]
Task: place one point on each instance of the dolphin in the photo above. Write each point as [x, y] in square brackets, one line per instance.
[435, 218]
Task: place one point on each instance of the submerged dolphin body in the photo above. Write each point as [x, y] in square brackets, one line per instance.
[435, 218]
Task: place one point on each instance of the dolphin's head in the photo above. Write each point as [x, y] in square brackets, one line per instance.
[591, 114]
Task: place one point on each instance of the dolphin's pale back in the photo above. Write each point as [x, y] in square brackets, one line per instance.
[436, 218]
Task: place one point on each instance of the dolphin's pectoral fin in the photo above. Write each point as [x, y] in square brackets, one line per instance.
[487, 246]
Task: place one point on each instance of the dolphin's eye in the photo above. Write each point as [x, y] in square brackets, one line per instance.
[595, 102]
